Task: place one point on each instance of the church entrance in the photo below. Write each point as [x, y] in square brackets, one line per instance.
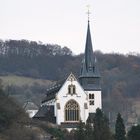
[72, 110]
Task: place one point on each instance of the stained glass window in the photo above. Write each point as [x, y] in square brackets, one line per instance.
[72, 111]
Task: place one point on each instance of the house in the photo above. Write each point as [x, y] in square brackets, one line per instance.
[30, 108]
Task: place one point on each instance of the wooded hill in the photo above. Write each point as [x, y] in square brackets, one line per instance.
[29, 58]
[120, 73]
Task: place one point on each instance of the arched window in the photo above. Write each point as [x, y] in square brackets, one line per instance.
[72, 111]
[74, 89]
[71, 89]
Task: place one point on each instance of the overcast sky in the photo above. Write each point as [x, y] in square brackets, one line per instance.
[115, 24]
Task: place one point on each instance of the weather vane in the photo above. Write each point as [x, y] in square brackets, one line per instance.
[88, 11]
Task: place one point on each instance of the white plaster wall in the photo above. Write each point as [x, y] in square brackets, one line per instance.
[63, 97]
[97, 101]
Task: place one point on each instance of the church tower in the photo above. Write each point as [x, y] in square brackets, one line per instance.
[90, 76]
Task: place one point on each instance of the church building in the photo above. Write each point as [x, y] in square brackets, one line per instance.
[74, 99]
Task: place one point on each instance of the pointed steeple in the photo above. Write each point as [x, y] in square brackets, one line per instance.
[89, 66]
[89, 69]
[89, 58]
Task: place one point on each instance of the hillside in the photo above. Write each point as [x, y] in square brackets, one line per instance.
[32, 59]
[21, 81]
[120, 73]
[24, 88]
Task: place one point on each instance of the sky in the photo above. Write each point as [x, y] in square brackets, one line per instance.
[115, 24]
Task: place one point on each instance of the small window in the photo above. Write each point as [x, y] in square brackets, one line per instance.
[91, 96]
[74, 89]
[71, 89]
[91, 102]
[58, 105]
[85, 106]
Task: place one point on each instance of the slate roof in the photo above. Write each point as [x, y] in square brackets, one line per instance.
[91, 87]
[46, 113]
[89, 75]
[89, 65]
[52, 90]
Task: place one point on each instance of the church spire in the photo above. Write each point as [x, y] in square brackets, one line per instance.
[88, 50]
[89, 66]
[89, 69]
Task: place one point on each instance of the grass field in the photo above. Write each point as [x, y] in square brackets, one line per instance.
[21, 80]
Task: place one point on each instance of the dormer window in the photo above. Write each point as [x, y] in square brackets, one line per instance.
[71, 89]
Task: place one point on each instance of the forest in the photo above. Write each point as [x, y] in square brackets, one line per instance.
[52, 62]
[120, 73]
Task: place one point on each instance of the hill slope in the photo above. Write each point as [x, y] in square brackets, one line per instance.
[24, 88]
[120, 73]
[22, 80]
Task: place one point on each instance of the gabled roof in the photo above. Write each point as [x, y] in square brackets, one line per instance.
[30, 106]
[47, 113]
[53, 90]
[43, 110]
[71, 77]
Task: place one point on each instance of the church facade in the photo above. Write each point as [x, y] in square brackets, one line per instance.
[74, 99]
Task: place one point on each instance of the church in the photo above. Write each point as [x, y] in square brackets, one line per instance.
[74, 99]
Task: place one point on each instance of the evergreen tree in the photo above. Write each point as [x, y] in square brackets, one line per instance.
[119, 128]
[101, 126]
[88, 132]
[134, 133]
[81, 131]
